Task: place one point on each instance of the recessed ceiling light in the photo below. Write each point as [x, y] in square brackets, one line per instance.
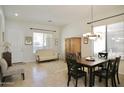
[16, 14]
[49, 20]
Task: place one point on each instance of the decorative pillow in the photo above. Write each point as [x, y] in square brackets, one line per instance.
[3, 65]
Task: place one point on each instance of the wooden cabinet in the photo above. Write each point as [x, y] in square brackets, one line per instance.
[7, 57]
[73, 45]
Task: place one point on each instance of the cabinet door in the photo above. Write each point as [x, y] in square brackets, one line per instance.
[67, 45]
[76, 45]
[73, 45]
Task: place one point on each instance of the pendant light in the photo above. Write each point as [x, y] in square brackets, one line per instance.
[91, 35]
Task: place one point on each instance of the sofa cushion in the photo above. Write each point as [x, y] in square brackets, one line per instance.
[3, 65]
[47, 58]
[46, 54]
[12, 70]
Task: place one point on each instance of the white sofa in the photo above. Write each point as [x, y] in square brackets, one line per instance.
[45, 55]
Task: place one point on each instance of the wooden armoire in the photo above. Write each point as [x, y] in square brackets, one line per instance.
[73, 45]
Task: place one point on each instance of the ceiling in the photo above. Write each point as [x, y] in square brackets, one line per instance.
[59, 14]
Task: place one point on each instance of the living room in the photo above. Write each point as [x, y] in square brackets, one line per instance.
[20, 25]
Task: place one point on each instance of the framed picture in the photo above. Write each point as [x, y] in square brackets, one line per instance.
[85, 40]
[56, 42]
[28, 40]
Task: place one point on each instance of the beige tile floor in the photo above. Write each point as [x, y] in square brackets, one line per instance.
[47, 74]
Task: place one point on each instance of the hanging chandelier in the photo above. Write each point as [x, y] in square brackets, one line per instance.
[91, 35]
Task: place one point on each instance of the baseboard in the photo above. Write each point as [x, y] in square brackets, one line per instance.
[121, 73]
[19, 63]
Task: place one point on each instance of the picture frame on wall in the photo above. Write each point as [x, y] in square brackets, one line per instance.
[85, 40]
[28, 40]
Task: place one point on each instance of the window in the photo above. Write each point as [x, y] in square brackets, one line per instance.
[115, 39]
[42, 41]
[111, 40]
[99, 44]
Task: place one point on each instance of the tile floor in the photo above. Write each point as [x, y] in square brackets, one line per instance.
[47, 74]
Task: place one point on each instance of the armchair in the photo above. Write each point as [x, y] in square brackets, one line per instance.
[8, 71]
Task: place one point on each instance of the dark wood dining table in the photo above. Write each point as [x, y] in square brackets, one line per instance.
[91, 66]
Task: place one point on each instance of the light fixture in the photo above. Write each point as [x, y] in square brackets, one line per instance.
[49, 20]
[6, 46]
[16, 14]
[91, 35]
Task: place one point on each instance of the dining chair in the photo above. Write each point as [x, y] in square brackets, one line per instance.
[117, 69]
[74, 70]
[103, 55]
[108, 73]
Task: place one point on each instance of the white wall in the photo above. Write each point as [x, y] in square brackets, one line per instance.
[2, 27]
[15, 34]
[80, 27]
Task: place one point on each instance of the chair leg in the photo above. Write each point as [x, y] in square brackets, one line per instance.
[114, 81]
[76, 82]
[69, 78]
[106, 82]
[93, 80]
[3, 80]
[118, 78]
[23, 76]
[85, 79]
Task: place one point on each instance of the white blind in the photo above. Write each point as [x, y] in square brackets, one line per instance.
[115, 39]
[42, 41]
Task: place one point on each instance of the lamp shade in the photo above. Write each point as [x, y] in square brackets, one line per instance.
[6, 46]
[92, 36]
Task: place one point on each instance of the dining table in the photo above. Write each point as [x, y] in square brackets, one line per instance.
[91, 64]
